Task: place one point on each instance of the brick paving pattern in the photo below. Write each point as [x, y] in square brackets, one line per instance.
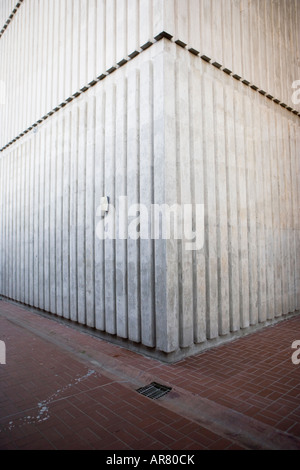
[64, 389]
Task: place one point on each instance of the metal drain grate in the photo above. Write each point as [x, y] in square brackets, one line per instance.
[154, 390]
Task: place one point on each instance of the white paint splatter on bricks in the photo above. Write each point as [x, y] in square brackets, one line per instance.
[43, 413]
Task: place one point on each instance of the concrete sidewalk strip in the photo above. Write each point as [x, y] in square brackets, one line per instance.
[63, 388]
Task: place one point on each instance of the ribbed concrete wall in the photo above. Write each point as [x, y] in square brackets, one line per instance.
[6, 9]
[258, 40]
[237, 153]
[54, 48]
[163, 126]
[51, 185]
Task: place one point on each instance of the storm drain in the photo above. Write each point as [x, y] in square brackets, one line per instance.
[154, 390]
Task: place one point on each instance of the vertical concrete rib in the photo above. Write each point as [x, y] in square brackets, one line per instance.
[162, 340]
[262, 315]
[231, 180]
[121, 31]
[197, 188]
[52, 228]
[81, 213]
[166, 172]
[121, 208]
[90, 213]
[251, 192]
[133, 42]
[60, 175]
[269, 219]
[66, 226]
[285, 202]
[73, 213]
[242, 210]
[210, 209]
[133, 171]
[111, 30]
[222, 216]
[278, 265]
[184, 172]
[47, 220]
[145, 23]
[110, 219]
[99, 192]
[36, 219]
[31, 220]
[280, 255]
[146, 188]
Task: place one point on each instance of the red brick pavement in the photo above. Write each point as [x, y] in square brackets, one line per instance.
[65, 389]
